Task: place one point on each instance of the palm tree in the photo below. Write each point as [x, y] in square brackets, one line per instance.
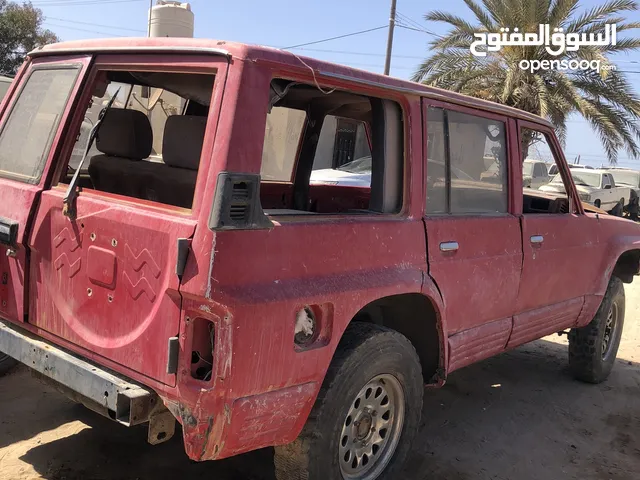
[605, 98]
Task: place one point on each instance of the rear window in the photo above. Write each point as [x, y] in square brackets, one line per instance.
[27, 135]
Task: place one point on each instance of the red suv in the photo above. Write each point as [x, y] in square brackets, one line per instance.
[167, 257]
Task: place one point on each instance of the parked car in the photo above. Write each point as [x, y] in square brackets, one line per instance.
[627, 177]
[534, 173]
[281, 313]
[597, 187]
[357, 173]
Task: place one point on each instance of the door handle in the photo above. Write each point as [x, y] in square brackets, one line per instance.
[449, 246]
[537, 239]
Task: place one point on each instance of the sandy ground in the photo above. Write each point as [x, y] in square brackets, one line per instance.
[517, 416]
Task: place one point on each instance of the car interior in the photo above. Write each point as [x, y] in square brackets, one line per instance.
[297, 141]
[149, 144]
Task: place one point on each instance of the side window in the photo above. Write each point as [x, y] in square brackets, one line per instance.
[437, 146]
[606, 181]
[538, 170]
[546, 197]
[331, 153]
[473, 151]
[36, 116]
[281, 140]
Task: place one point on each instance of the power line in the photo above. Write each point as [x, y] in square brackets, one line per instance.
[336, 38]
[364, 54]
[409, 21]
[95, 24]
[82, 29]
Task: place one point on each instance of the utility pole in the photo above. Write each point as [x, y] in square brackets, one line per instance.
[149, 20]
[392, 24]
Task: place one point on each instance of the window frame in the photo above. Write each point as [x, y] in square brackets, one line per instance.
[512, 171]
[351, 85]
[298, 148]
[136, 62]
[80, 68]
[575, 205]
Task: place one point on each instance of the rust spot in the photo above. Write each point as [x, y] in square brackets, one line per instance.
[207, 433]
[227, 413]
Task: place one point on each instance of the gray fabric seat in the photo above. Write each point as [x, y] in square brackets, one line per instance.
[124, 139]
[174, 182]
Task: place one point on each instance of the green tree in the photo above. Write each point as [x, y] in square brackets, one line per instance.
[20, 32]
[605, 99]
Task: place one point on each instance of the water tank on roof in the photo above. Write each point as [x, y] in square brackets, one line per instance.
[171, 19]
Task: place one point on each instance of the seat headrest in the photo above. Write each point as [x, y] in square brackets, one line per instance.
[125, 133]
[183, 139]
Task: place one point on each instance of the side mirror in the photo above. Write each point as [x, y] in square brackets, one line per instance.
[607, 187]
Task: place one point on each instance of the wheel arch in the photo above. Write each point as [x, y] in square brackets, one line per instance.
[627, 265]
[417, 317]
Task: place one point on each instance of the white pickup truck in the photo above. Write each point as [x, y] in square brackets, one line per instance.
[596, 187]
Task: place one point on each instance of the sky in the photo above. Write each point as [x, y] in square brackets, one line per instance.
[286, 23]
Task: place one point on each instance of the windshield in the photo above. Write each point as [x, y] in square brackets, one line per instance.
[359, 165]
[527, 169]
[630, 178]
[581, 177]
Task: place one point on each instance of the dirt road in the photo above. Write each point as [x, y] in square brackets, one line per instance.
[517, 416]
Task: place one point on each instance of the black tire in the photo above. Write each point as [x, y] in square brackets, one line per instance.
[618, 210]
[6, 364]
[597, 203]
[593, 348]
[365, 353]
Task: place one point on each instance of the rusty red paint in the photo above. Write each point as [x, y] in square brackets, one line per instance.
[496, 292]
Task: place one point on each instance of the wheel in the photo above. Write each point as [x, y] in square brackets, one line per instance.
[6, 364]
[366, 414]
[593, 348]
[597, 203]
[618, 209]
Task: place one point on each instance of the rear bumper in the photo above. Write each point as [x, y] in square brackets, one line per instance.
[106, 392]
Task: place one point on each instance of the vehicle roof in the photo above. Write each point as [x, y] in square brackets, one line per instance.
[241, 51]
[595, 170]
[533, 160]
[620, 168]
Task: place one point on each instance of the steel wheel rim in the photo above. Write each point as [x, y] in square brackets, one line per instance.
[372, 428]
[609, 331]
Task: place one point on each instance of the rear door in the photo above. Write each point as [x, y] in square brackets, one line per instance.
[31, 126]
[473, 240]
[107, 281]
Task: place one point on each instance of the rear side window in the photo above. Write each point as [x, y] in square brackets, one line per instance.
[466, 164]
[28, 132]
[281, 139]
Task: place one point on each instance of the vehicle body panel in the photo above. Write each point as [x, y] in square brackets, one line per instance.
[19, 199]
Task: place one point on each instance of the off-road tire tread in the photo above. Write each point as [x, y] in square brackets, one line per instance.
[292, 461]
[585, 355]
[7, 366]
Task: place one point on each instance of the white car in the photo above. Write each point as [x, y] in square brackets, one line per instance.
[357, 173]
[596, 187]
[534, 173]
